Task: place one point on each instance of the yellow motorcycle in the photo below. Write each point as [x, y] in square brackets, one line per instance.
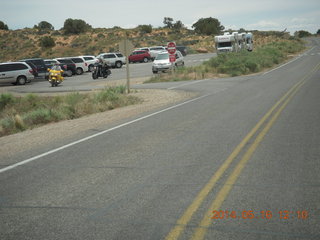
[55, 77]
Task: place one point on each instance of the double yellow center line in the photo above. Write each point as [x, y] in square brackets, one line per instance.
[272, 115]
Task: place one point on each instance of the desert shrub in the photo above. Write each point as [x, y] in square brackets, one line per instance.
[47, 42]
[75, 26]
[3, 26]
[145, 28]
[5, 99]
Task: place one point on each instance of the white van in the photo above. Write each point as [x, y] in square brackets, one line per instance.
[16, 73]
[162, 62]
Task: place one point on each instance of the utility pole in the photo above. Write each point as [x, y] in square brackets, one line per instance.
[126, 47]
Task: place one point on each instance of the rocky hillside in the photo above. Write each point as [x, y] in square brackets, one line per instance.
[25, 43]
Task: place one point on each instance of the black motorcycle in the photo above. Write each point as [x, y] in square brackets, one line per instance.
[101, 70]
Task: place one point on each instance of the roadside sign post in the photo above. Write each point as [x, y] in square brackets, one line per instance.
[171, 46]
[126, 47]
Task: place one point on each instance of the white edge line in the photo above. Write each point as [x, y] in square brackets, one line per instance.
[189, 83]
[287, 62]
[97, 134]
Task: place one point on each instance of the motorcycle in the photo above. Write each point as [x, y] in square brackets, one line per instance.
[101, 70]
[55, 77]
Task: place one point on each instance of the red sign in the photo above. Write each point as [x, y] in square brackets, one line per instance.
[171, 47]
[172, 58]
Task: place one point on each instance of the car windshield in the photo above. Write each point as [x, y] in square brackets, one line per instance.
[162, 56]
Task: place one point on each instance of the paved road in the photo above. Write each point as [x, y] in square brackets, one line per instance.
[138, 71]
[245, 152]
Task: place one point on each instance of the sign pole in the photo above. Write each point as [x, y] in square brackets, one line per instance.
[171, 46]
[126, 47]
[127, 58]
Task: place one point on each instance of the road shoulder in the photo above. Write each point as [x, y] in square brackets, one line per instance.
[44, 135]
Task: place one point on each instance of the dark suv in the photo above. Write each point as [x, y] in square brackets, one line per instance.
[40, 65]
[71, 66]
[183, 50]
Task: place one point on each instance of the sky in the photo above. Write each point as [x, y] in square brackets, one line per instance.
[264, 15]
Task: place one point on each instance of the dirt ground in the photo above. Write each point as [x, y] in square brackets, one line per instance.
[152, 99]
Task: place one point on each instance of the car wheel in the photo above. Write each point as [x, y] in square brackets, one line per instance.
[145, 60]
[118, 64]
[79, 71]
[94, 75]
[21, 80]
[91, 68]
[154, 71]
[68, 73]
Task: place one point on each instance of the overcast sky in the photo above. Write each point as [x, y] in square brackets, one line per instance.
[248, 14]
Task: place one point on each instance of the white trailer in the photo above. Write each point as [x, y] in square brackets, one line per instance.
[249, 41]
[242, 41]
[233, 42]
[226, 43]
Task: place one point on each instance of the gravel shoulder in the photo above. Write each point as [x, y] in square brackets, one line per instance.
[37, 137]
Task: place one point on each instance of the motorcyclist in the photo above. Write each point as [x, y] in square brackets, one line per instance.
[56, 67]
[102, 65]
[101, 69]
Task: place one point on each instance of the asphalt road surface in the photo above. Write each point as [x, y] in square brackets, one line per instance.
[239, 161]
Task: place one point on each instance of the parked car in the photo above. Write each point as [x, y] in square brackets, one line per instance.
[34, 68]
[90, 60]
[113, 59]
[155, 50]
[50, 62]
[71, 66]
[16, 73]
[183, 50]
[144, 48]
[40, 65]
[162, 62]
[81, 65]
[139, 56]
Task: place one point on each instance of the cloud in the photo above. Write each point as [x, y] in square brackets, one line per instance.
[299, 20]
[264, 24]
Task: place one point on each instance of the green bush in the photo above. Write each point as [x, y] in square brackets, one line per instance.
[5, 99]
[3, 26]
[208, 26]
[75, 26]
[44, 25]
[47, 42]
[145, 28]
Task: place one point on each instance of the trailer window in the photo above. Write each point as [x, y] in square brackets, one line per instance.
[224, 44]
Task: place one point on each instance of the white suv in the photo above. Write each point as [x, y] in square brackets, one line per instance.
[155, 50]
[81, 65]
[90, 60]
[16, 73]
[113, 59]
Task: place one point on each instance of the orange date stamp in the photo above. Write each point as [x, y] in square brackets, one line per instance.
[264, 214]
